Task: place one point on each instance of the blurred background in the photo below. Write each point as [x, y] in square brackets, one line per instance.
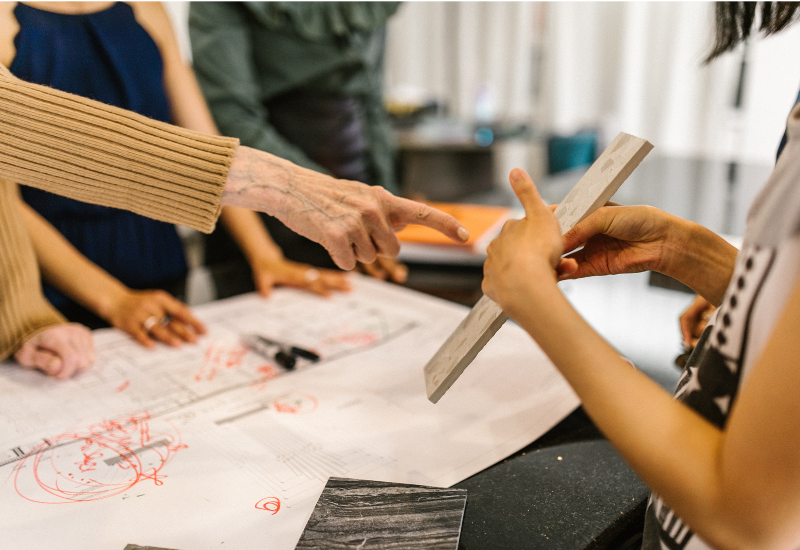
[477, 88]
[564, 68]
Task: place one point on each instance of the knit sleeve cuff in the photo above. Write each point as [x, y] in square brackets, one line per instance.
[104, 155]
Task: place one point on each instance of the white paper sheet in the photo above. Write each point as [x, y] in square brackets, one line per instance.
[213, 446]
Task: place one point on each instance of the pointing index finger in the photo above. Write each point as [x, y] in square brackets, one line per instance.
[526, 191]
[405, 211]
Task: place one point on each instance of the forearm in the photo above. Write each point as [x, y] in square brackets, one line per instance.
[699, 258]
[657, 435]
[64, 267]
[279, 182]
[103, 155]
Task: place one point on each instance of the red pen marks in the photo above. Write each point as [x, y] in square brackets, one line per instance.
[235, 356]
[102, 460]
[218, 357]
[267, 372]
[296, 403]
[122, 387]
[349, 337]
[270, 504]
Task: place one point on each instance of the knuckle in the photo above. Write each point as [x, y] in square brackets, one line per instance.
[373, 215]
[337, 235]
[352, 226]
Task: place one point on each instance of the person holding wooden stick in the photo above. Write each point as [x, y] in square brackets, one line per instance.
[723, 457]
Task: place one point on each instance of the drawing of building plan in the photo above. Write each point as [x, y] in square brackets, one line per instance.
[216, 446]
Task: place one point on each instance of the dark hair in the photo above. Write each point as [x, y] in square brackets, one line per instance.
[734, 22]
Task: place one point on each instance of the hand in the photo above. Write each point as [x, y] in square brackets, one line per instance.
[353, 221]
[621, 239]
[268, 273]
[150, 315]
[385, 268]
[527, 251]
[694, 320]
[60, 351]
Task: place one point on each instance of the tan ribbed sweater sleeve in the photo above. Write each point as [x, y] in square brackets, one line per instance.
[23, 308]
[104, 155]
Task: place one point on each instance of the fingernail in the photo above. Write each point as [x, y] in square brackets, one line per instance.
[401, 274]
[463, 233]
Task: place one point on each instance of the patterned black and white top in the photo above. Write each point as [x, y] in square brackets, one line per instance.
[767, 269]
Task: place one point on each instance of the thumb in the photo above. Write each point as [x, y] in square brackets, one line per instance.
[526, 191]
[566, 267]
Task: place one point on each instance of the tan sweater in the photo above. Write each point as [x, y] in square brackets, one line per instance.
[23, 308]
[94, 153]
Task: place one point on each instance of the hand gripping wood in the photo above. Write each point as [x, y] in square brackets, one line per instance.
[593, 190]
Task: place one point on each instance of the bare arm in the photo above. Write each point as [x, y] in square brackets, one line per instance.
[63, 266]
[742, 489]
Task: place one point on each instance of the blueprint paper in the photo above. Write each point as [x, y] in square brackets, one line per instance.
[213, 446]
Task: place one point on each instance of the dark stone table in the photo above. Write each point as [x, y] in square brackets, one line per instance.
[569, 489]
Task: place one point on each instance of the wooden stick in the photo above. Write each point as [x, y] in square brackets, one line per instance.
[593, 190]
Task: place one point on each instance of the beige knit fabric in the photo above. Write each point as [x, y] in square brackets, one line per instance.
[23, 308]
[94, 153]
[104, 155]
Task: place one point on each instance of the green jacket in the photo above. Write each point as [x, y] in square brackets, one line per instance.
[247, 53]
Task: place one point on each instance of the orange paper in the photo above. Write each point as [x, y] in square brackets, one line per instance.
[478, 219]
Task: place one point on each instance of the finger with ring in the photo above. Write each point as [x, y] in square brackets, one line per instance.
[152, 321]
[312, 275]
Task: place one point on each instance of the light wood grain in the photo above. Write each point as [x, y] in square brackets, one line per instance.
[593, 190]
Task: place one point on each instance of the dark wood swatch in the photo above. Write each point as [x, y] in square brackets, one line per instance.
[372, 515]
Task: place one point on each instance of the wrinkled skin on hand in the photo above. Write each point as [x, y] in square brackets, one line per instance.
[61, 351]
[353, 221]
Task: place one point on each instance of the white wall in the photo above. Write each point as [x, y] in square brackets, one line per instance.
[451, 49]
[637, 67]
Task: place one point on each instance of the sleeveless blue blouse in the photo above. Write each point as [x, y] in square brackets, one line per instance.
[109, 57]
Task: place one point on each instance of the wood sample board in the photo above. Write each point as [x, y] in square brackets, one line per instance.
[591, 192]
[375, 515]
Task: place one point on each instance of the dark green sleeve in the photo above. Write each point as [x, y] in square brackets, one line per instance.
[223, 61]
[379, 128]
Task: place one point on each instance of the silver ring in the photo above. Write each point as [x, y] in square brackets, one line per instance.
[312, 275]
[150, 322]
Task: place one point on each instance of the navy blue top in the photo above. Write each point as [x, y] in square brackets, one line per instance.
[109, 57]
